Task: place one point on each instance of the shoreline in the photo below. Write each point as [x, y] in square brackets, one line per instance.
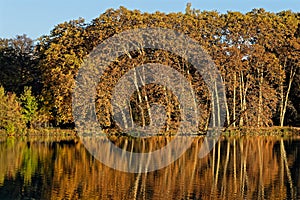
[233, 131]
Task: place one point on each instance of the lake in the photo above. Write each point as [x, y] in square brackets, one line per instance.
[244, 167]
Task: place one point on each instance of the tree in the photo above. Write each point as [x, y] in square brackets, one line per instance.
[288, 54]
[29, 106]
[11, 119]
[62, 53]
[257, 54]
[18, 66]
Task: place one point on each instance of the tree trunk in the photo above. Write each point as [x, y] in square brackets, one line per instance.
[241, 97]
[218, 106]
[146, 97]
[140, 100]
[226, 105]
[168, 109]
[213, 109]
[282, 114]
[234, 98]
[260, 100]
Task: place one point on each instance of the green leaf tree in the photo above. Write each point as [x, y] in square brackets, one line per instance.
[29, 106]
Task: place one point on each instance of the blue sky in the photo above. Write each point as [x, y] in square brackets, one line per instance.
[37, 17]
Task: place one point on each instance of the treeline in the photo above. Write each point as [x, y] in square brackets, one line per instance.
[257, 54]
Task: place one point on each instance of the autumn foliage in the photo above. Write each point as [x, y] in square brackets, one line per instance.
[257, 54]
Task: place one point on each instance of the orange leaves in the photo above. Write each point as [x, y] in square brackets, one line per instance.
[253, 51]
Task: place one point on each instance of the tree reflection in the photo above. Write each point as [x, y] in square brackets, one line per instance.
[238, 168]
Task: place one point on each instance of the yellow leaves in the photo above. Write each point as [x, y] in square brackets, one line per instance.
[239, 43]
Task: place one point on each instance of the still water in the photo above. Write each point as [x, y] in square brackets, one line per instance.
[246, 167]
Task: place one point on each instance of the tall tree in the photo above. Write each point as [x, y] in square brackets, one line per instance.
[18, 64]
[62, 53]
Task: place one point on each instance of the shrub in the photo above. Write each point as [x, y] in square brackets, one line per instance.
[11, 119]
[29, 106]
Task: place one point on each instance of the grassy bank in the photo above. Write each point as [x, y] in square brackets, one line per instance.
[41, 132]
[267, 131]
[272, 131]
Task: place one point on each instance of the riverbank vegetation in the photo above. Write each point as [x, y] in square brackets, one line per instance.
[257, 53]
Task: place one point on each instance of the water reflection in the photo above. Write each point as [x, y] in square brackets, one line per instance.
[237, 168]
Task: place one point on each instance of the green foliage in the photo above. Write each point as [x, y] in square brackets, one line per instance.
[29, 106]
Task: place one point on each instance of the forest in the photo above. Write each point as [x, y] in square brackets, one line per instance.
[257, 54]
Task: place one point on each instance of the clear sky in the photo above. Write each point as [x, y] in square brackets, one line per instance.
[37, 17]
